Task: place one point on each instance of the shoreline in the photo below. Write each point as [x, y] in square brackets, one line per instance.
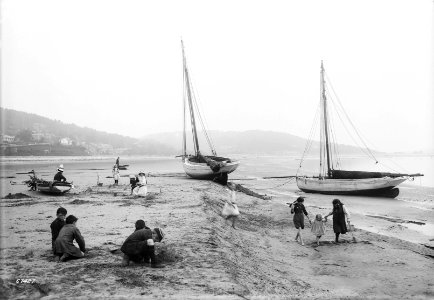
[204, 256]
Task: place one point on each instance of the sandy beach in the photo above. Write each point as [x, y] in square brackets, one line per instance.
[204, 256]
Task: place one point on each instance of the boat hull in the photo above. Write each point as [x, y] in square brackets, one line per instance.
[56, 188]
[380, 187]
[198, 170]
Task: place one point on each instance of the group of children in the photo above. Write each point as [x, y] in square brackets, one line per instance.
[340, 219]
[63, 233]
[138, 247]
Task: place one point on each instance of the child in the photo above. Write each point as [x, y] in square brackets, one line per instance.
[64, 246]
[140, 245]
[318, 227]
[57, 225]
[230, 209]
[116, 174]
[299, 211]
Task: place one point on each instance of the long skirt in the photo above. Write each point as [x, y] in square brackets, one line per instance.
[339, 224]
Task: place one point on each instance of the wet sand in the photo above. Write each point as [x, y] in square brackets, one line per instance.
[204, 256]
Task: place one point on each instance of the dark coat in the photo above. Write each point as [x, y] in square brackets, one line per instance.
[59, 177]
[64, 242]
[56, 226]
[136, 243]
[299, 210]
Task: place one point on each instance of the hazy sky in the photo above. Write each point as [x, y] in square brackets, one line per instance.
[116, 65]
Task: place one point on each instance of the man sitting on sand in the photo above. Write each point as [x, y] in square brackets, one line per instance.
[139, 246]
[64, 245]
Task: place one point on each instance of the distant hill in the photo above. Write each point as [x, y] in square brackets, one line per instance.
[246, 142]
[37, 135]
[54, 137]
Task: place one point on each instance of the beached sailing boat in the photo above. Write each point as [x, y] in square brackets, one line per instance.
[200, 166]
[333, 181]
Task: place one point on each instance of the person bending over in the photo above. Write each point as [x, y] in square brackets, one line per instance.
[139, 246]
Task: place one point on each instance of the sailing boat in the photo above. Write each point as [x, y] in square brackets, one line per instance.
[200, 166]
[341, 182]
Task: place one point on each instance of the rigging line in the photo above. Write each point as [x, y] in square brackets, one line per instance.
[335, 141]
[331, 129]
[273, 187]
[309, 140]
[349, 120]
[348, 131]
[312, 132]
[203, 122]
[381, 163]
[210, 144]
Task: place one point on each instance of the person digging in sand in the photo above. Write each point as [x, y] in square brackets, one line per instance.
[298, 209]
[339, 213]
[64, 246]
[139, 246]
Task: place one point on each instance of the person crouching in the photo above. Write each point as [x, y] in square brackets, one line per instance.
[139, 246]
[64, 246]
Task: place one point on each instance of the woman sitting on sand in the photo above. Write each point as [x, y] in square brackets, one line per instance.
[298, 210]
[64, 246]
[141, 188]
[339, 213]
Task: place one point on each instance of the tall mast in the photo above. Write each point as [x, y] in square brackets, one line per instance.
[324, 100]
[184, 138]
[190, 103]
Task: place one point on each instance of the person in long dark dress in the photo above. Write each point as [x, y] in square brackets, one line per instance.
[340, 218]
[299, 212]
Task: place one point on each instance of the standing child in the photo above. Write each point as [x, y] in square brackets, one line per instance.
[299, 211]
[230, 209]
[57, 225]
[318, 227]
[116, 174]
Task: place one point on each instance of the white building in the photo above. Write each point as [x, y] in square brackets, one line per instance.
[7, 138]
[65, 141]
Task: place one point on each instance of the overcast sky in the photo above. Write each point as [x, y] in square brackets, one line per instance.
[116, 66]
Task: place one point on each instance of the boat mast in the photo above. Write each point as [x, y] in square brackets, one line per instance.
[324, 100]
[184, 138]
[190, 103]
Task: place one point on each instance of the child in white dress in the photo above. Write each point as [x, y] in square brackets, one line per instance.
[318, 227]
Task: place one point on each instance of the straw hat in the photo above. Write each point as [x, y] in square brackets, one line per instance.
[60, 168]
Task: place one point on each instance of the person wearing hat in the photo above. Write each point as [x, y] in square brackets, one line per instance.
[59, 176]
[139, 246]
[141, 188]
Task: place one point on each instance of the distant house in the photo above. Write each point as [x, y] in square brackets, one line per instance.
[65, 141]
[37, 136]
[7, 138]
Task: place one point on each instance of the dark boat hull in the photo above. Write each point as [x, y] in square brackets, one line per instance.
[385, 192]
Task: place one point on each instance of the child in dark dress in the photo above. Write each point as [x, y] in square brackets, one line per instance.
[299, 211]
[57, 225]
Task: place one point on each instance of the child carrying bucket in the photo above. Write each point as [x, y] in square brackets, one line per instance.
[230, 209]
